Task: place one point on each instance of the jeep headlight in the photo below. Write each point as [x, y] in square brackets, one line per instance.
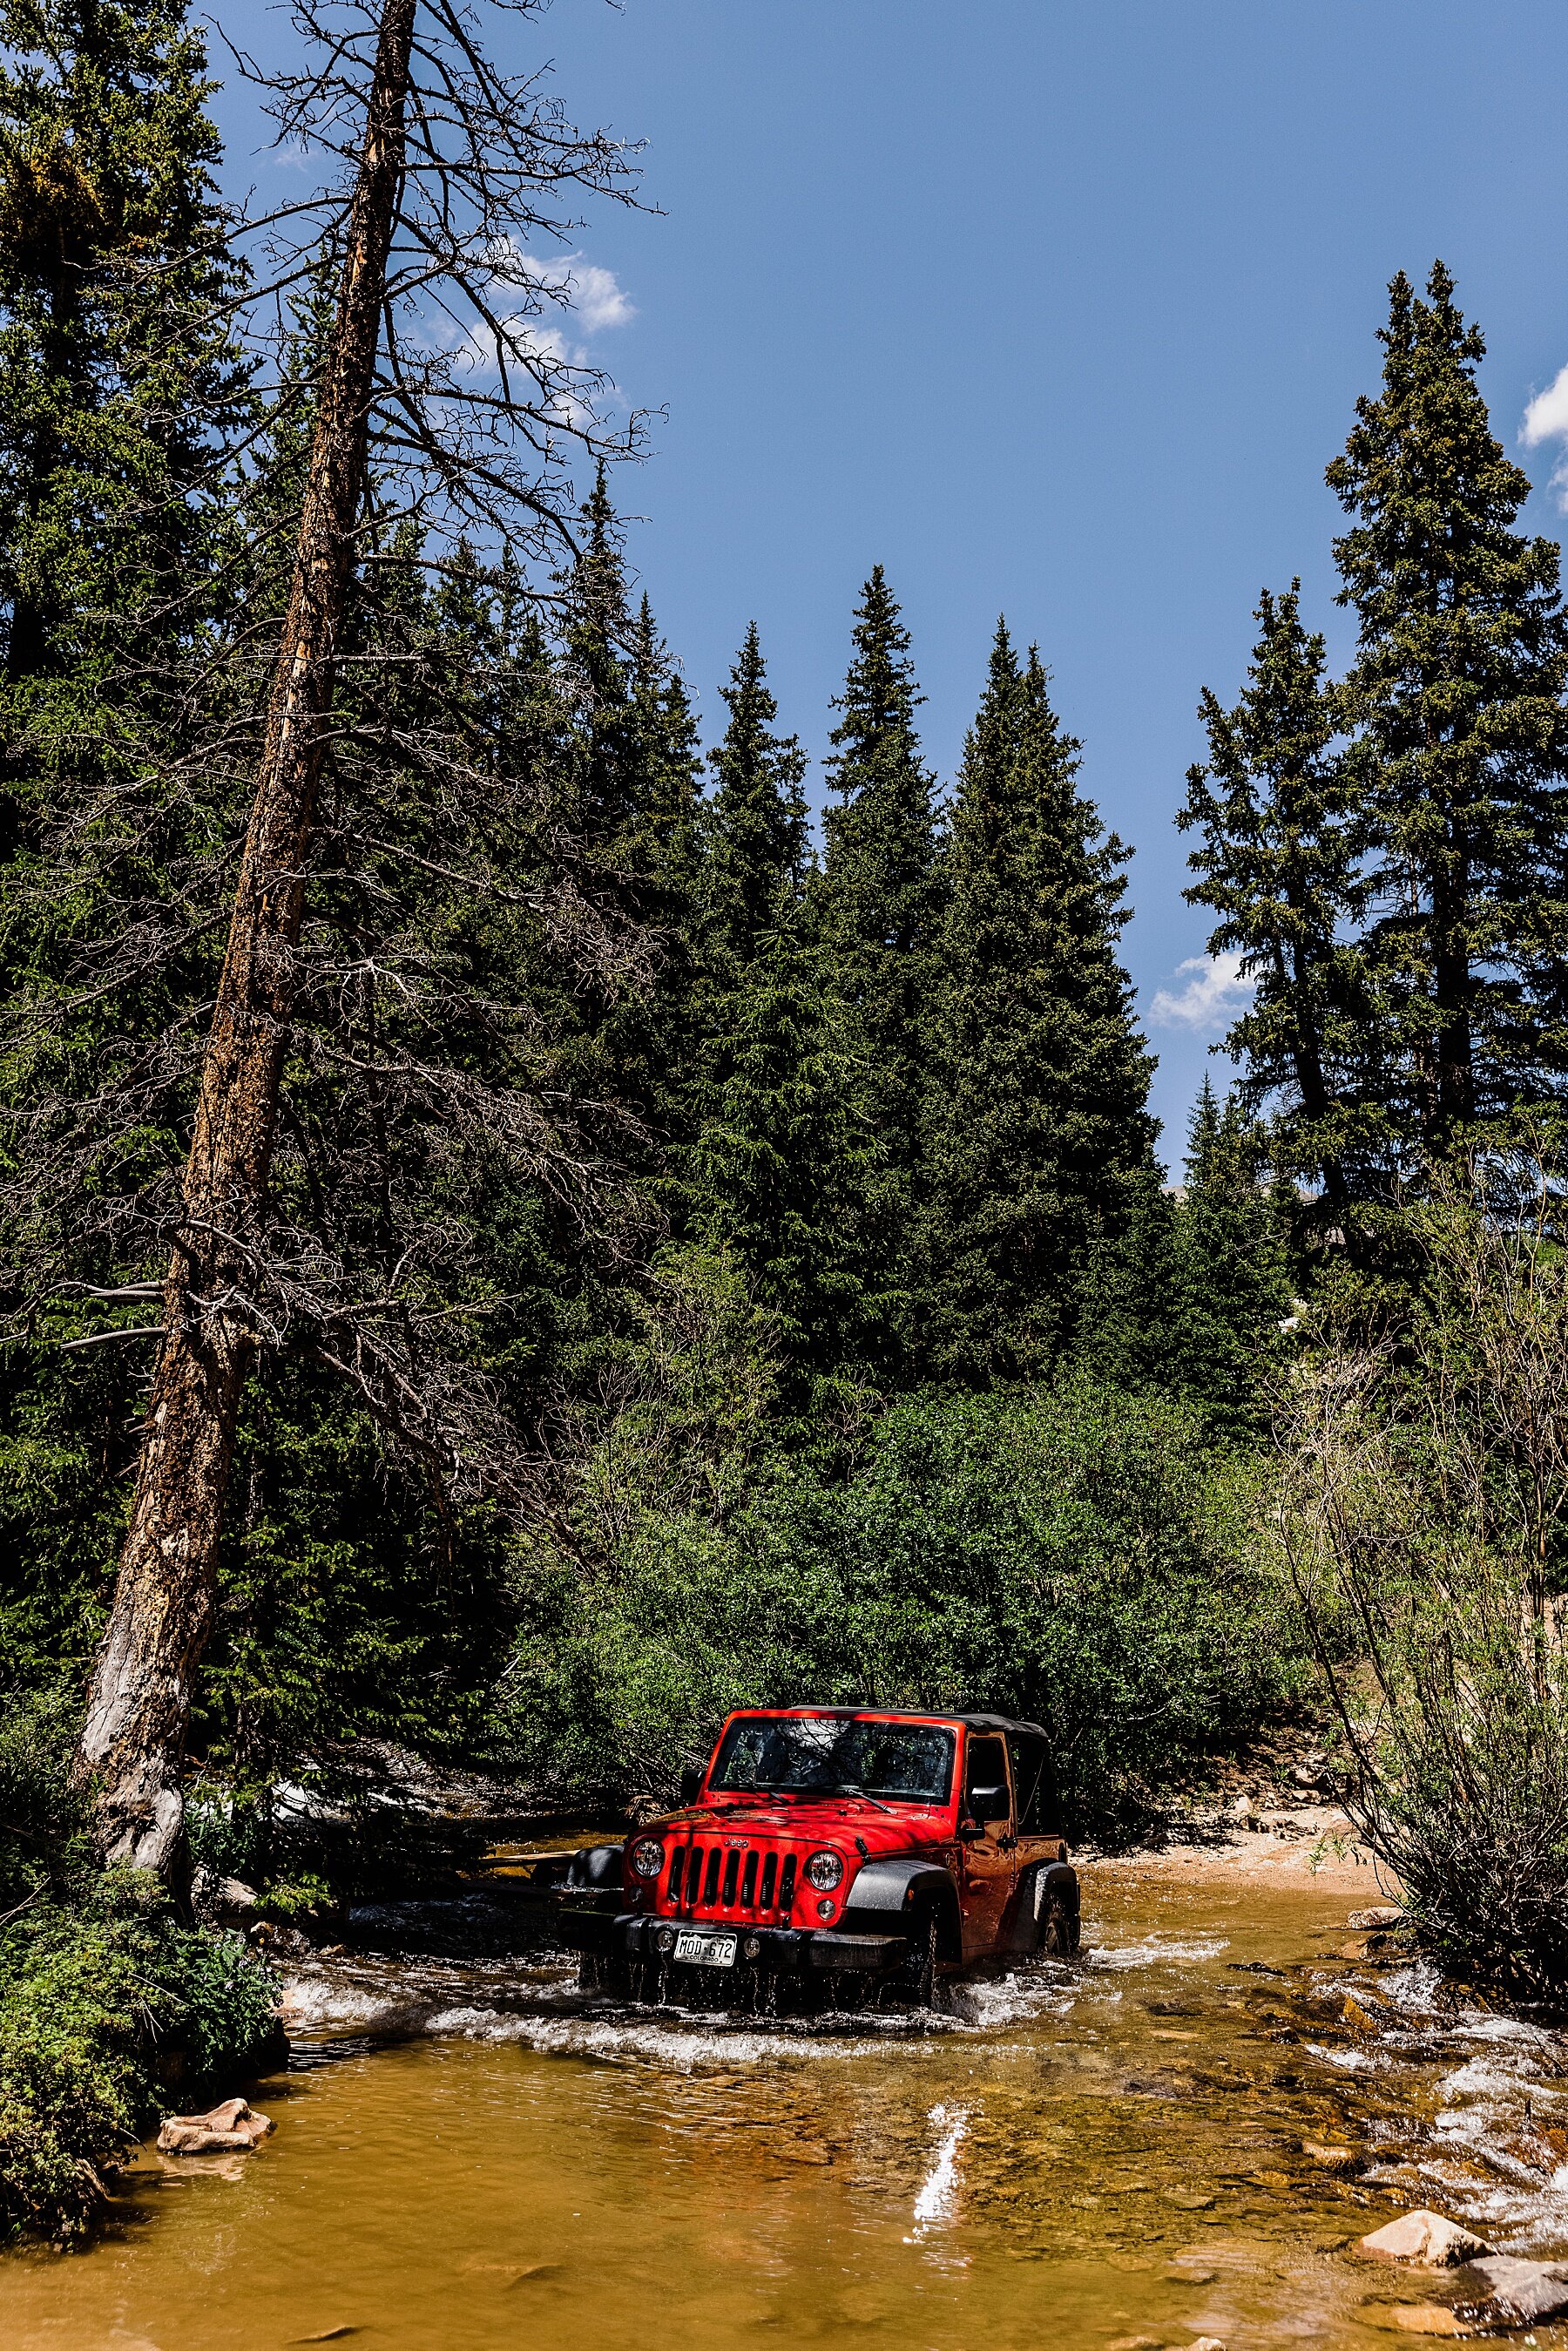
[824, 1871]
[646, 1857]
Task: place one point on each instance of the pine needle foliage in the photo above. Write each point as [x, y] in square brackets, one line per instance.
[1037, 1110]
[1459, 761]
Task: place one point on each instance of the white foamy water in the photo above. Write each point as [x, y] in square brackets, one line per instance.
[1484, 2156]
[992, 2002]
[544, 2009]
[1349, 2061]
[665, 2039]
[1156, 1950]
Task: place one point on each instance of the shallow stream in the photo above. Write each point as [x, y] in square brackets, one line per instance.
[1181, 2136]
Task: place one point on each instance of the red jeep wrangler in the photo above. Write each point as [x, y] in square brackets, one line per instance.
[879, 1848]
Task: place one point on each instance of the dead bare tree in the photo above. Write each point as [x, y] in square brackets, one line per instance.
[435, 384]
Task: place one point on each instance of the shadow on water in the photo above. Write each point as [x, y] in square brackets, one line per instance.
[1180, 2136]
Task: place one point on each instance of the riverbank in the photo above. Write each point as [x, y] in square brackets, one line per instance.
[1308, 1844]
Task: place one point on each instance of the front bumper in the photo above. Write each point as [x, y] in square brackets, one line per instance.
[763, 1951]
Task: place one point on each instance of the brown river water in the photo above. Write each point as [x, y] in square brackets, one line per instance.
[1114, 2154]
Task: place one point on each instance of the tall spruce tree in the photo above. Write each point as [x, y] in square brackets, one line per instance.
[1277, 864]
[1461, 750]
[1038, 1119]
[1232, 1291]
[120, 389]
[784, 1148]
[627, 794]
[880, 906]
[1189, 1297]
[758, 829]
[119, 381]
[667, 758]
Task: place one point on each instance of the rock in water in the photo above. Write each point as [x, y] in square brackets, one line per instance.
[1381, 1914]
[1519, 2293]
[233, 2129]
[1425, 2240]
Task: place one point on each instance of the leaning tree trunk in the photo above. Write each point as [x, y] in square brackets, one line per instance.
[133, 1742]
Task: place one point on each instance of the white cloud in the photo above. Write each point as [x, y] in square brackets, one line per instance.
[594, 295]
[1546, 419]
[582, 295]
[599, 299]
[1214, 993]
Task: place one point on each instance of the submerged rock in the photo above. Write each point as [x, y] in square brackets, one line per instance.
[233, 2129]
[1425, 2240]
[1381, 1914]
[1519, 2293]
[1329, 2157]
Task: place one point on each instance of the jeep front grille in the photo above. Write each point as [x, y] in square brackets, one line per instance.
[729, 1877]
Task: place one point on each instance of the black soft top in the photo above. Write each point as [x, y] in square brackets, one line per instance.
[996, 1722]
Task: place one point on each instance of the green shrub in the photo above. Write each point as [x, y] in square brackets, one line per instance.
[101, 2010]
[106, 2000]
[1425, 1471]
[1085, 1558]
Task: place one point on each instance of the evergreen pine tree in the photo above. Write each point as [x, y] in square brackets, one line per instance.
[667, 759]
[625, 790]
[1462, 751]
[1189, 1297]
[1277, 864]
[119, 381]
[758, 832]
[1040, 1129]
[120, 391]
[1231, 1291]
[880, 908]
[783, 1152]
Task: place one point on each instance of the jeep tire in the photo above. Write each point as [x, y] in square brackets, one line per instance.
[1058, 1931]
[604, 1972]
[920, 1978]
[919, 1973]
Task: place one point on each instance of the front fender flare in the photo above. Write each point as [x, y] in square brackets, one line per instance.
[886, 1893]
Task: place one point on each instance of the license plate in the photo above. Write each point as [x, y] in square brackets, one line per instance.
[707, 1950]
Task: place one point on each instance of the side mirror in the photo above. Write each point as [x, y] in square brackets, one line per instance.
[690, 1781]
[989, 1803]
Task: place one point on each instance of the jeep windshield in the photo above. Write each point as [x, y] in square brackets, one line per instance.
[811, 1755]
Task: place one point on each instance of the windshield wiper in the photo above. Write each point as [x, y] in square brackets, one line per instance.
[848, 1788]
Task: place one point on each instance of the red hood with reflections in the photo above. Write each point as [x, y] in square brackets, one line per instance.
[837, 1821]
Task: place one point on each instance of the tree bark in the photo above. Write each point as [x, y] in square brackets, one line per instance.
[133, 1742]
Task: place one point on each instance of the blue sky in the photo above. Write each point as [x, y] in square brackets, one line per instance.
[1052, 309]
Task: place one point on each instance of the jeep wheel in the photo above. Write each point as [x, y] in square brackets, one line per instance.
[919, 1980]
[1058, 1928]
[601, 1971]
[919, 1969]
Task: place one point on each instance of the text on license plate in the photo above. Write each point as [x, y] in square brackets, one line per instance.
[707, 1950]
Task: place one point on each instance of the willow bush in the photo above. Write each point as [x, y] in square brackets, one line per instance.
[1427, 1476]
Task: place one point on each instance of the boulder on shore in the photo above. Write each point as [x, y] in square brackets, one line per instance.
[233, 2129]
[1424, 2240]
